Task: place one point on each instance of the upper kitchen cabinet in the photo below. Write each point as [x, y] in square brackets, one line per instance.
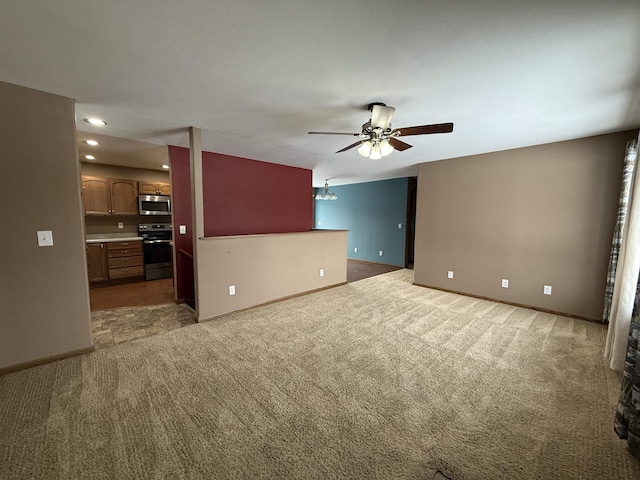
[95, 196]
[109, 196]
[124, 197]
[154, 188]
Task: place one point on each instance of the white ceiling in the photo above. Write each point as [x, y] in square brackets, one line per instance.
[256, 76]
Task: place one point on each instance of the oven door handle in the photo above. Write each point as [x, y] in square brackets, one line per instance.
[147, 242]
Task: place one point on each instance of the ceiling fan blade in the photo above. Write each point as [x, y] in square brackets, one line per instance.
[334, 133]
[349, 147]
[399, 145]
[381, 116]
[425, 129]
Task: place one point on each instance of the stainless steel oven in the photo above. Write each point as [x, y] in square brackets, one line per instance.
[157, 249]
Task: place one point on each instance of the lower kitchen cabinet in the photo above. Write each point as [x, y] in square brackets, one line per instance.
[125, 259]
[97, 263]
[114, 261]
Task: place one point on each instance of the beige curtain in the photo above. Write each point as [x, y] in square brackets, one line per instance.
[626, 281]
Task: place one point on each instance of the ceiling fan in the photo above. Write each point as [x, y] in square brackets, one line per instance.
[378, 139]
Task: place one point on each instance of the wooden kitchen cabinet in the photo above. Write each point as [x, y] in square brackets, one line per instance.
[124, 197]
[125, 259]
[164, 189]
[154, 188]
[109, 196]
[96, 196]
[97, 263]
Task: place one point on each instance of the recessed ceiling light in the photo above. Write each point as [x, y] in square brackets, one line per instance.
[93, 143]
[89, 157]
[166, 167]
[95, 121]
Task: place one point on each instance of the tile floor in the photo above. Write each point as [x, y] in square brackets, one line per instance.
[118, 325]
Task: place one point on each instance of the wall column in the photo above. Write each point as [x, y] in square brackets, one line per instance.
[195, 157]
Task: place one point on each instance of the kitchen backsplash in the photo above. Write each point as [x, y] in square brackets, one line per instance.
[107, 224]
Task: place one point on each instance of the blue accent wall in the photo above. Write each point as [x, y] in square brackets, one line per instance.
[371, 212]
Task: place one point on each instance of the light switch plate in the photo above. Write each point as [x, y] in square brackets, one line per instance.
[322, 272]
[45, 238]
[450, 274]
[547, 290]
[505, 283]
[399, 225]
[232, 289]
[183, 229]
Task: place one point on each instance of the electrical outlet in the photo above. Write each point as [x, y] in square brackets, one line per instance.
[399, 225]
[232, 289]
[322, 272]
[319, 222]
[505, 283]
[183, 229]
[380, 253]
[547, 290]
[450, 274]
[120, 225]
[355, 250]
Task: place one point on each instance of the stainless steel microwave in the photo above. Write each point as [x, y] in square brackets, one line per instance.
[154, 205]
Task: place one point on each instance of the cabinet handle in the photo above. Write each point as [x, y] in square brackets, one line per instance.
[124, 244]
[124, 251]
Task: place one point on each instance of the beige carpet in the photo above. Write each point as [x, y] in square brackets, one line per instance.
[374, 379]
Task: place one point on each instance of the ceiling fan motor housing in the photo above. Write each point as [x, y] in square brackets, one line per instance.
[370, 107]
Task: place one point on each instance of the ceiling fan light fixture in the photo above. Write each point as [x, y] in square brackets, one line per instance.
[376, 153]
[365, 148]
[386, 148]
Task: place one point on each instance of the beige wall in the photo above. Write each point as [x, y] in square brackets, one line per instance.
[44, 296]
[267, 267]
[536, 216]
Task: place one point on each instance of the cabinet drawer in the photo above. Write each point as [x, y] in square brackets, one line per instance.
[119, 262]
[129, 244]
[124, 252]
[126, 272]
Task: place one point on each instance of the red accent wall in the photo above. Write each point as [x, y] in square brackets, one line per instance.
[243, 196]
[182, 215]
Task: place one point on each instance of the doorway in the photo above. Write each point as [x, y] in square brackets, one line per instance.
[410, 245]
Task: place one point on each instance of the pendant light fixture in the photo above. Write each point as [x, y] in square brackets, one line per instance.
[326, 195]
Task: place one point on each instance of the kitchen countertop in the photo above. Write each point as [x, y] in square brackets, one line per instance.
[111, 237]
